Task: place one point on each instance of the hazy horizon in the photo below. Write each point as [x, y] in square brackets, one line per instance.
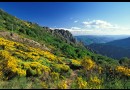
[103, 35]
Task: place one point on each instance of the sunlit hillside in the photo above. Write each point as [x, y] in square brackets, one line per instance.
[35, 57]
[34, 68]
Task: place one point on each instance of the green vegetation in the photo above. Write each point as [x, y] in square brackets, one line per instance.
[40, 34]
[67, 65]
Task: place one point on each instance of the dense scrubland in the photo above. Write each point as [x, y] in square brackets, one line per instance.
[58, 61]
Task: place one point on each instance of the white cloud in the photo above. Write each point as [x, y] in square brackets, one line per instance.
[63, 28]
[69, 29]
[98, 27]
[96, 24]
[75, 28]
[75, 21]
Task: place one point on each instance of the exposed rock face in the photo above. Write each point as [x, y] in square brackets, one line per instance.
[63, 34]
[66, 34]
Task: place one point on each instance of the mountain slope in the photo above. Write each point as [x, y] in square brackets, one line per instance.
[18, 38]
[36, 57]
[53, 39]
[125, 43]
[46, 69]
[89, 39]
[110, 50]
[60, 42]
[115, 49]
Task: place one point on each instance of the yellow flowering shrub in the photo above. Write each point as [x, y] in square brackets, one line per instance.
[95, 83]
[12, 63]
[21, 72]
[14, 58]
[55, 75]
[62, 85]
[1, 74]
[95, 80]
[76, 62]
[44, 85]
[45, 68]
[36, 52]
[60, 60]
[49, 56]
[100, 69]
[26, 65]
[88, 64]
[64, 67]
[19, 55]
[82, 84]
[27, 24]
[35, 68]
[32, 55]
[61, 67]
[123, 70]
[9, 45]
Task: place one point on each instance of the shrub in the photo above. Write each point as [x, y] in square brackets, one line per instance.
[81, 84]
[62, 85]
[44, 85]
[55, 76]
[88, 64]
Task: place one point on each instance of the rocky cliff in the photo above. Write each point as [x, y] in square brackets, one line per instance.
[65, 35]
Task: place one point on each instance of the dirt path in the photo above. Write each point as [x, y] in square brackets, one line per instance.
[71, 78]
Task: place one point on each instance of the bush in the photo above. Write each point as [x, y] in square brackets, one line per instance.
[81, 84]
[62, 85]
[55, 76]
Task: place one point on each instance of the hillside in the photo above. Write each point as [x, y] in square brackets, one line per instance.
[90, 39]
[115, 49]
[36, 68]
[125, 43]
[56, 40]
[110, 50]
[35, 57]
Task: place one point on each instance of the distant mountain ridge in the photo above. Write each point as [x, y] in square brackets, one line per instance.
[110, 50]
[89, 39]
[114, 49]
[125, 43]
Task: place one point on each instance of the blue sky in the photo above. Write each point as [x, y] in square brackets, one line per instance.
[80, 18]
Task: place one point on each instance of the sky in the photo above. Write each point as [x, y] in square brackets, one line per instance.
[80, 18]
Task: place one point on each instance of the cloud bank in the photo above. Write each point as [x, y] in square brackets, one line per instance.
[97, 24]
[98, 27]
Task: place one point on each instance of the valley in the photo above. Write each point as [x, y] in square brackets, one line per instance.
[114, 46]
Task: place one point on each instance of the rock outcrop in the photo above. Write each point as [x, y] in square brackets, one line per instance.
[63, 34]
